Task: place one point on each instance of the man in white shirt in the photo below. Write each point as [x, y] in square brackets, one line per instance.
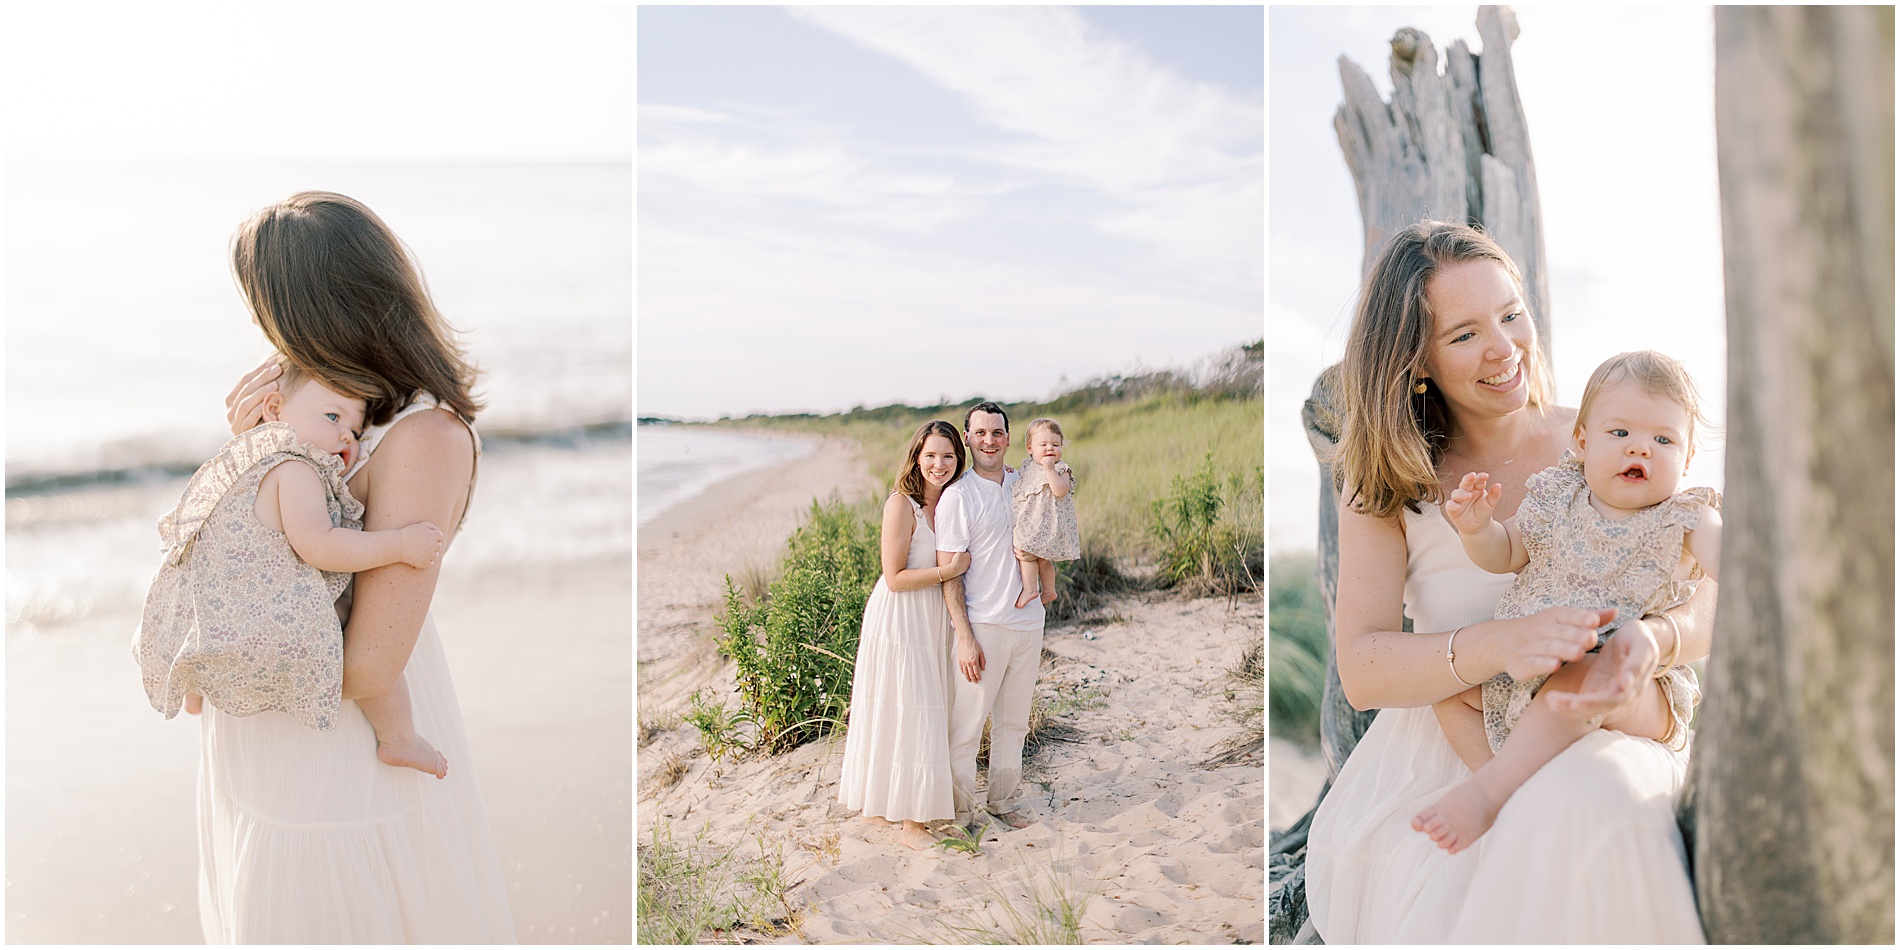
[999, 646]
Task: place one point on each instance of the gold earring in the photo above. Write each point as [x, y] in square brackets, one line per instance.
[1420, 388]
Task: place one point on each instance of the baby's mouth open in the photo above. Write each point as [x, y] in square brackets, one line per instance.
[1635, 473]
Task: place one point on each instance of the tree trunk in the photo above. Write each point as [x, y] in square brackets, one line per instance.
[1792, 779]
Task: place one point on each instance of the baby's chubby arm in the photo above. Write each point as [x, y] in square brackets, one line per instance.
[1705, 542]
[306, 524]
[1059, 481]
[1492, 545]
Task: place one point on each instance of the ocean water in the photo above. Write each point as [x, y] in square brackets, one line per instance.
[678, 463]
[125, 330]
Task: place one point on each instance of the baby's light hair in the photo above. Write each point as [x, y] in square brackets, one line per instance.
[1658, 374]
[1046, 423]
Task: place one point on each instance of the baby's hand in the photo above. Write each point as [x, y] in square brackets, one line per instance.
[421, 544]
[1470, 505]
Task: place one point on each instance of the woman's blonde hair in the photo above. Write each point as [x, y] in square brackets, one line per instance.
[1658, 374]
[1392, 437]
[910, 476]
[337, 294]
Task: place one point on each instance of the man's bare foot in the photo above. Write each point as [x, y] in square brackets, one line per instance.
[1457, 818]
[916, 837]
[413, 752]
[1023, 601]
[1013, 819]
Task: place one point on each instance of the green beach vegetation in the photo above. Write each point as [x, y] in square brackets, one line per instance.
[1296, 630]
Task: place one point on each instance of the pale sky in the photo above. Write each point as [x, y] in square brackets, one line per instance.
[863, 205]
[1620, 104]
[312, 82]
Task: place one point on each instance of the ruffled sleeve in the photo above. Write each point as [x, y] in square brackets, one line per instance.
[214, 479]
[1548, 495]
[1685, 506]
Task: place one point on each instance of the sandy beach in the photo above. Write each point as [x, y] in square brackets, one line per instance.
[1295, 777]
[101, 833]
[1163, 851]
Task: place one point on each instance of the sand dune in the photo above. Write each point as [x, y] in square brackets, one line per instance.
[1163, 851]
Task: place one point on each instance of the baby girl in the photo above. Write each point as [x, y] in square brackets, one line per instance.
[1605, 527]
[242, 611]
[1042, 502]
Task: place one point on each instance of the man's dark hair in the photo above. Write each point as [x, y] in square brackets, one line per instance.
[985, 406]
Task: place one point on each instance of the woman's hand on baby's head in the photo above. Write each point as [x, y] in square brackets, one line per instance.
[1469, 506]
[422, 543]
[244, 405]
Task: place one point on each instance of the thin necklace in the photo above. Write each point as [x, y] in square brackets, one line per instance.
[1514, 448]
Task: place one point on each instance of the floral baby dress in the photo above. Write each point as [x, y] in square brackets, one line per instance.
[1045, 524]
[1578, 558]
[233, 613]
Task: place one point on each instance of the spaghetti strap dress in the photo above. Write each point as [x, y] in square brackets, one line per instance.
[1587, 851]
[306, 837]
[897, 743]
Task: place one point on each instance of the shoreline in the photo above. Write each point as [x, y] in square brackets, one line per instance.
[1163, 851]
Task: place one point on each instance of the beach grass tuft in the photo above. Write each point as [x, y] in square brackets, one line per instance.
[654, 726]
[792, 651]
[667, 774]
[689, 892]
[1033, 906]
[1244, 686]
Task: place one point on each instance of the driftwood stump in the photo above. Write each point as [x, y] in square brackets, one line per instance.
[1792, 776]
[1451, 145]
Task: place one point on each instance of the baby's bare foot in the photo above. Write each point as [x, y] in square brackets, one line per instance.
[413, 752]
[194, 703]
[1029, 594]
[1457, 818]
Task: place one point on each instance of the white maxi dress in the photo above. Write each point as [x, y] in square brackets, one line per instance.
[306, 837]
[1587, 851]
[897, 745]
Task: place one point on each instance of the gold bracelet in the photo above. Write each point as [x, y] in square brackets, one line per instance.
[1675, 648]
[1451, 658]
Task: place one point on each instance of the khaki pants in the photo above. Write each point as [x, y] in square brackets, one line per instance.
[1011, 659]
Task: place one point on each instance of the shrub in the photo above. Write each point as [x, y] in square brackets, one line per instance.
[793, 652]
[1296, 626]
[1207, 531]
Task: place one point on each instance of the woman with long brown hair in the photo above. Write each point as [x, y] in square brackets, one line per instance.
[305, 836]
[897, 744]
[1443, 376]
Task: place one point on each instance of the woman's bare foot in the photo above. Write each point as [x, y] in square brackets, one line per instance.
[916, 837]
[413, 752]
[1457, 818]
[875, 820]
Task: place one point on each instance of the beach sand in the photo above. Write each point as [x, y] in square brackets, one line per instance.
[101, 833]
[1162, 850]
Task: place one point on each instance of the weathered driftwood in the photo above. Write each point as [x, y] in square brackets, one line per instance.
[1453, 146]
[1792, 774]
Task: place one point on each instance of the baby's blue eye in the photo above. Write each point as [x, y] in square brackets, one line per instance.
[333, 417]
[1663, 439]
[1620, 433]
[1513, 315]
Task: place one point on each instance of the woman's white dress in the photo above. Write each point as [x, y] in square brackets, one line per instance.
[306, 837]
[897, 746]
[1587, 851]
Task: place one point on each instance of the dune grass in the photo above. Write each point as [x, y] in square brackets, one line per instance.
[690, 893]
